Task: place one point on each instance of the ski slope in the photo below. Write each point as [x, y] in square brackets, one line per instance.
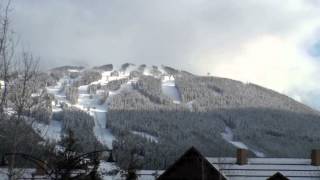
[90, 104]
[169, 88]
[86, 102]
[228, 136]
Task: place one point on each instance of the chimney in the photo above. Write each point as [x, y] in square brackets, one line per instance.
[315, 157]
[242, 156]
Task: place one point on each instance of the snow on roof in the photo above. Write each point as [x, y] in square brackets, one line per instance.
[262, 168]
[149, 174]
[256, 169]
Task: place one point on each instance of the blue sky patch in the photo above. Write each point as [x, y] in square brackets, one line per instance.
[315, 49]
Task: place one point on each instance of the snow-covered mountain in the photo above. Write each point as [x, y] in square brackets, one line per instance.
[161, 112]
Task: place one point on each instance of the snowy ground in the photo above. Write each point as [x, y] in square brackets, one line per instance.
[169, 88]
[228, 136]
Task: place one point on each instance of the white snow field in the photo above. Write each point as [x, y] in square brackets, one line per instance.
[228, 136]
[169, 88]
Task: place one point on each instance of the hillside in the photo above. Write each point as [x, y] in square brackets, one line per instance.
[160, 112]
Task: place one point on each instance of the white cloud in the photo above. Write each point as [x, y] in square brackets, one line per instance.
[273, 62]
[264, 42]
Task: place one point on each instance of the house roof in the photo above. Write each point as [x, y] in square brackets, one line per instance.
[263, 168]
[255, 169]
[278, 176]
[192, 165]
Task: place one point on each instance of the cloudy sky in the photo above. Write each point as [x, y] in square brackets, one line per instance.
[273, 43]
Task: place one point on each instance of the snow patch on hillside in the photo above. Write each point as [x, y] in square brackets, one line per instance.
[189, 105]
[146, 135]
[50, 132]
[74, 70]
[147, 71]
[228, 136]
[169, 88]
[103, 134]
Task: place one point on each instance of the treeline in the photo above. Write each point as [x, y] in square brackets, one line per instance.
[115, 84]
[14, 130]
[125, 66]
[210, 93]
[176, 128]
[92, 88]
[30, 98]
[59, 72]
[106, 67]
[151, 88]
[170, 70]
[72, 94]
[155, 71]
[87, 77]
[41, 111]
[81, 124]
[262, 119]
